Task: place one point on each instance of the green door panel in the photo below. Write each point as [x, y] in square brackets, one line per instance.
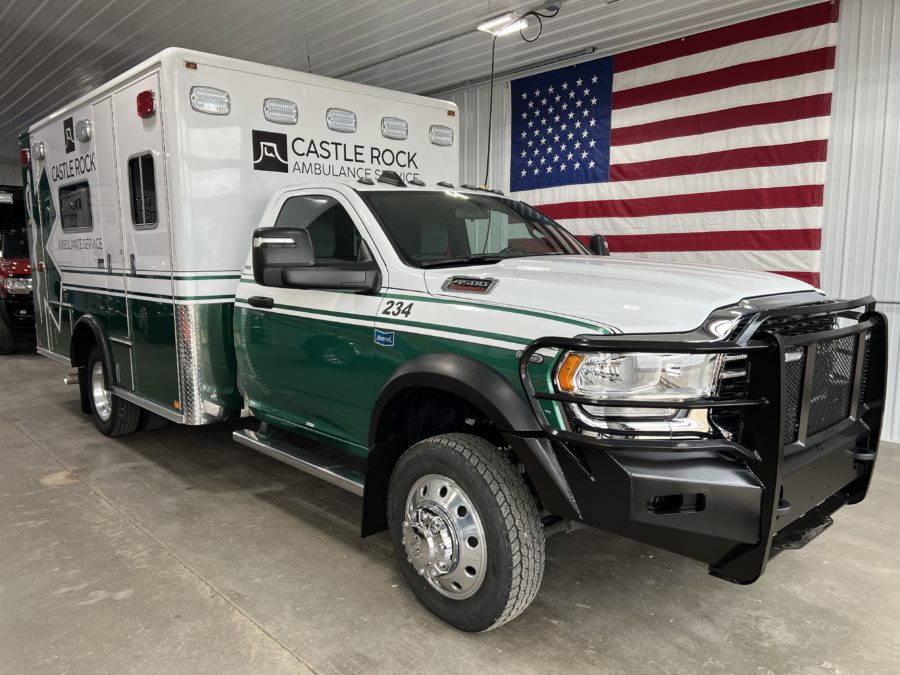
[314, 375]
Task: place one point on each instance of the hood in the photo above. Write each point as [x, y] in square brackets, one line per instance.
[14, 267]
[632, 296]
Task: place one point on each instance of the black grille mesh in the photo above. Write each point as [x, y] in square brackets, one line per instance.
[832, 383]
[795, 366]
[798, 325]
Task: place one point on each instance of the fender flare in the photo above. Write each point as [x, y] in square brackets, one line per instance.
[493, 395]
[92, 324]
[472, 380]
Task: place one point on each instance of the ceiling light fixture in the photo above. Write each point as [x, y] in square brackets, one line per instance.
[504, 24]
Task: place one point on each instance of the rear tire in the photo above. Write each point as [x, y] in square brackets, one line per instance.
[7, 339]
[466, 530]
[113, 416]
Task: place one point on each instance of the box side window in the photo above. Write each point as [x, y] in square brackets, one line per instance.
[75, 208]
[142, 191]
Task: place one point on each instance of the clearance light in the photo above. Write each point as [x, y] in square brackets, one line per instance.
[394, 127]
[83, 130]
[146, 104]
[25, 156]
[440, 135]
[280, 111]
[341, 120]
[210, 100]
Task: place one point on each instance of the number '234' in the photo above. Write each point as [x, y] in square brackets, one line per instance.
[397, 308]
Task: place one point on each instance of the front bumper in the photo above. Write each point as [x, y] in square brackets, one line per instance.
[730, 503]
[17, 311]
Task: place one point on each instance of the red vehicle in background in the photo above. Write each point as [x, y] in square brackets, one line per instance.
[16, 300]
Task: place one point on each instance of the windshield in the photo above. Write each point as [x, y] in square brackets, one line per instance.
[444, 229]
[13, 245]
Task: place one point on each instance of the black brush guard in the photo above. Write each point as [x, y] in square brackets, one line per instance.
[732, 503]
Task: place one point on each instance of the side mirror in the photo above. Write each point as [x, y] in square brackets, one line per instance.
[598, 245]
[274, 250]
[284, 257]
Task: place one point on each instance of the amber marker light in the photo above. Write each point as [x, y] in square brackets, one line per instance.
[565, 376]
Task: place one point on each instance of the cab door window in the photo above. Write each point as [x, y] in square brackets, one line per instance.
[334, 236]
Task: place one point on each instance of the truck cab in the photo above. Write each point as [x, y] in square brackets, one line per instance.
[497, 380]
[16, 303]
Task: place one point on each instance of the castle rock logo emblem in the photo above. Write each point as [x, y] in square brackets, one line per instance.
[69, 134]
[270, 151]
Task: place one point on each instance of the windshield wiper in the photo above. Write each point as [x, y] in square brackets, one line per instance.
[468, 260]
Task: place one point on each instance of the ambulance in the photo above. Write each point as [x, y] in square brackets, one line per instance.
[214, 238]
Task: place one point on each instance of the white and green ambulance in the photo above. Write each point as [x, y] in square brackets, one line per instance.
[216, 238]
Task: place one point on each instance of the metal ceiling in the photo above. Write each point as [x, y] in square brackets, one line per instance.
[52, 51]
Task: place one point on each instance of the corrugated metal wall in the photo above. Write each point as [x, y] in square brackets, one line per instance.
[861, 239]
[10, 174]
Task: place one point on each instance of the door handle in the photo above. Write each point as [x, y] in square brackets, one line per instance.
[108, 262]
[261, 301]
[133, 265]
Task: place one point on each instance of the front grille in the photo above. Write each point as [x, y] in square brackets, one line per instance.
[795, 367]
[832, 383]
[798, 325]
[831, 387]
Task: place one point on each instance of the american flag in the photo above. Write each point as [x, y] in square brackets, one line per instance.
[705, 149]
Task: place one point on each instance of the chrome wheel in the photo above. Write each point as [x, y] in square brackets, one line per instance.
[444, 538]
[102, 396]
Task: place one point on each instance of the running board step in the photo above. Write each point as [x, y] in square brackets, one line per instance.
[305, 460]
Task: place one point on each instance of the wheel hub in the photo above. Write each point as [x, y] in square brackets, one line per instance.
[443, 537]
[428, 541]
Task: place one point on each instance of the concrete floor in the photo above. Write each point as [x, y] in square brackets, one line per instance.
[179, 551]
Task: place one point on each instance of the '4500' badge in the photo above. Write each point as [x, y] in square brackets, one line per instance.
[470, 284]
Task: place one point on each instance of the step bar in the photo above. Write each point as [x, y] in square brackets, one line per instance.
[305, 460]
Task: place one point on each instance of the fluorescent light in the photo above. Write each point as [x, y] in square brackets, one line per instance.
[502, 25]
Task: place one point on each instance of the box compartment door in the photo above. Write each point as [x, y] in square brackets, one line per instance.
[147, 248]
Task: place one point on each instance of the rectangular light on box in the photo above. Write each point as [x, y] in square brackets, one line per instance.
[210, 100]
[341, 120]
[394, 127]
[280, 111]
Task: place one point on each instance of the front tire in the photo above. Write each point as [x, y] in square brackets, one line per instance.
[466, 531]
[113, 416]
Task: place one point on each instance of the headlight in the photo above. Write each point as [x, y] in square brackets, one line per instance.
[17, 285]
[637, 376]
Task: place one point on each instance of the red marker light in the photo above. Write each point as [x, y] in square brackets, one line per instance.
[146, 104]
[25, 156]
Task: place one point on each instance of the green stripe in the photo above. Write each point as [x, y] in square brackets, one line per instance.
[138, 294]
[486, 305]
[499, 308]
[401, 322]
[193, 277]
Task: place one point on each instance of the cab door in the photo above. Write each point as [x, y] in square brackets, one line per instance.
[147, 257]
[307, 354]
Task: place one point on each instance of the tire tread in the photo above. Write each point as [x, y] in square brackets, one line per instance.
[519, 510]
